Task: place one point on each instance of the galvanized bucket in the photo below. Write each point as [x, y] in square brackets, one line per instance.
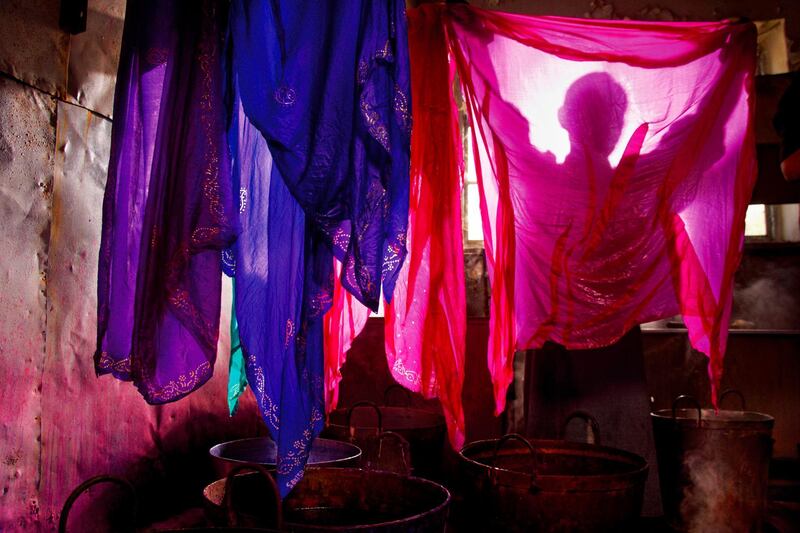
[713, 467]
[551, 486]
[262, 451]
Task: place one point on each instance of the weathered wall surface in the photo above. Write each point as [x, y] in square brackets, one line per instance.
[59, 423]
[27, 145]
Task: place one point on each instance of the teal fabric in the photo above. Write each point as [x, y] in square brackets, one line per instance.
[237, 379]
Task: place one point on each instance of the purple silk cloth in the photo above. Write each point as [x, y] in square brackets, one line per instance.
[168, 207]
[327, 86]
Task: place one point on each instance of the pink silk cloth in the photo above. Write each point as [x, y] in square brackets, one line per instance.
[615, 161]
[425, 322]
[341, 325]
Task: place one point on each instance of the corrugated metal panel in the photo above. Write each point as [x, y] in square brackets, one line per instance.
[96, 425]
[89, 426]
[94, 55]
[27, 140]
[32, 47]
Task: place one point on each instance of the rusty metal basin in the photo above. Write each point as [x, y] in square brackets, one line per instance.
[338, 499]
[425, 431]
[262, 451]
[551, 485]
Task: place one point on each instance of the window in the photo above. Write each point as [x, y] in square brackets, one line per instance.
[755, 221]
[471, 201]
[772, 223]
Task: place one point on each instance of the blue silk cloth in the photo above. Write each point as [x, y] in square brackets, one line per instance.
[320, 138]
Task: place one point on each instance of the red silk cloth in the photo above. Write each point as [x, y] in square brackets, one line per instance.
[615, 161]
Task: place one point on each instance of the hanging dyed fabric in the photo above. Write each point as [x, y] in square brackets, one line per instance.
[326, 85]
[237, 377]
[615, 161]
[344, 321]
[168, 208]
[425, 324]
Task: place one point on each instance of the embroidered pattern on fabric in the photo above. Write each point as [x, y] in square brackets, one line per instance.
[319, 303]
[294, 457]
[120, 366]
[154, 238]
[211, 189]
[285, 96]
[384, 53]
[409, 375]
[269, 409]
[203, 235]
[178, 297]
[242, 199]
[374, 124]
[391, 259]
[289, 332]
[401, 109]
[341, 239]
[185, 384]
[228, 261]
[372, 118]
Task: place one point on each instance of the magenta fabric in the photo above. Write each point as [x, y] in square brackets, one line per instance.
[343, 322]
[425, 324]
[615, 161]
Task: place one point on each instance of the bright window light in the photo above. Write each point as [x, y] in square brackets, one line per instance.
[755, 221]
[474, 224]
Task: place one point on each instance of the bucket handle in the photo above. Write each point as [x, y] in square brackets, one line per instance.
[590, 421]
[395, 386]
[364, 403]
[735, 392]
[515, 436]
[227, 498]
[686, 398]
[402, 444]
[83, 487]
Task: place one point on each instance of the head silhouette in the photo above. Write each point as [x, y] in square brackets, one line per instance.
[594, 112]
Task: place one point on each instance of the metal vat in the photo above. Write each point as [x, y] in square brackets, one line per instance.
[713, 466]
[425, 431]
[551, 485]
[262, 451]
[337, 499]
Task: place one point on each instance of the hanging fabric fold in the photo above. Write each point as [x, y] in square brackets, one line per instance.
[326, 86]
[615, 161]
[425, 324]
[344, 321]
[168, 209]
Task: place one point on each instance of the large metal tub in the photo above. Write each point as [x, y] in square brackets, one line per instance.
[337, 499]
[425, 431]
[262, 451]
[550, 485]
[713, 467]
